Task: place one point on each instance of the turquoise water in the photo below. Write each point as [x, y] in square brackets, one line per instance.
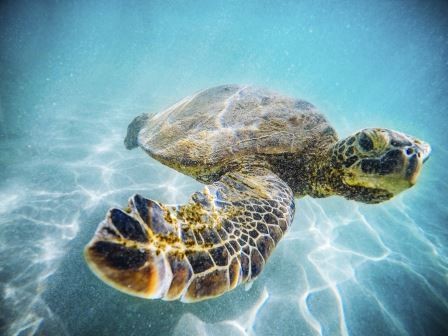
[73, 74]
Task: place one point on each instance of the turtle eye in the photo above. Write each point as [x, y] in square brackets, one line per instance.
[365, 142]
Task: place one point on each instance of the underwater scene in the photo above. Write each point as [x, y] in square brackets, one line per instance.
[74, 74]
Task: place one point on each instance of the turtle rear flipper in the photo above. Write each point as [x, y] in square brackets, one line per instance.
[222, 237]
[131, 140]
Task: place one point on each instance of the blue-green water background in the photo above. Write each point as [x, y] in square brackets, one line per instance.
[73, 74]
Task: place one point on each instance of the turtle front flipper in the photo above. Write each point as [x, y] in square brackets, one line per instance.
[222, 237]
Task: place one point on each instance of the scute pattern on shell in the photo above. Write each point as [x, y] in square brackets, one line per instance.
[208, 129]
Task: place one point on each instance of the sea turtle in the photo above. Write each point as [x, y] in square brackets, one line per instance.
[256, 150]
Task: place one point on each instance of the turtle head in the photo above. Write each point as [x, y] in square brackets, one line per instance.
[376, 164]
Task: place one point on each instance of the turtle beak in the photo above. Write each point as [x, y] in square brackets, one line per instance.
[423, 148]
[416, 156]
[426, 152]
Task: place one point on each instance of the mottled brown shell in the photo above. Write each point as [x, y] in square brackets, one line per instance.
[206, 130]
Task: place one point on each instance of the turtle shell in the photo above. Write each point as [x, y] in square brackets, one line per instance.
[226, 123]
